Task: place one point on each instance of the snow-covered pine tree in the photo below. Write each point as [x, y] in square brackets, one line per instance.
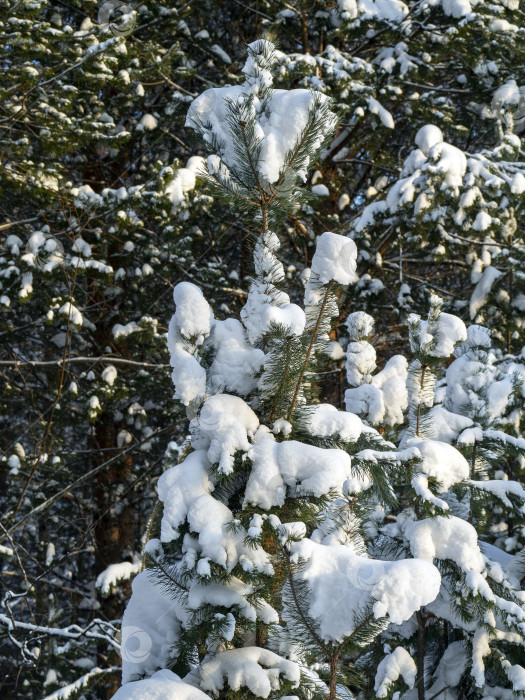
[410, 64]
[463, 209]
[450, 205]
[419, 61]
[476, 387]
[261, 570]
[469, 640]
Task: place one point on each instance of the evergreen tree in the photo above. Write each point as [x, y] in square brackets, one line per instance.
[262, 567]
[102, 206]
[468, 640]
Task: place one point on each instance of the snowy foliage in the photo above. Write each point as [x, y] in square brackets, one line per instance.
[297, 550]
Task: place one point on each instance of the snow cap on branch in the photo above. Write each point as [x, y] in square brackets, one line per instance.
[281, 117]
[163, 685]
[439, 335]
[340, 580]
[334, 259]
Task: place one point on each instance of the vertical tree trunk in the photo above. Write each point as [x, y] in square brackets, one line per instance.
[333, 676]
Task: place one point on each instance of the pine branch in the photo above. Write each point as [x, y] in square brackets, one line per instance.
[309, 350]
[305, 622]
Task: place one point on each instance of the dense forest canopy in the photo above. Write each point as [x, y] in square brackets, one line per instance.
[262, 319]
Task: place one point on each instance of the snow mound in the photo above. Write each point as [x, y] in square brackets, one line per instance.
[446, 538]
[427, 137]
[223, 427]
[324, 420]
[397, 664]
[251, 667]
[150, 627]
[163, 685]
[334, 259]
[342, 581]
[305, 469]
[441, 461]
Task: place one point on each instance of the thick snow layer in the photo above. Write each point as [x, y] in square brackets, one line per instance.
[392, 382]
[360, 362]
[366, 401]
[384, 396]
[188, 376]
[189, 326]
[265, 486]
[360, 325]
[446, 538]
[193, 316]
[163, 685]
[457, 8]
[280, 119]
[450, 162]
[224, 425]
[210, 518]
[440, 338]
[450, 330]
[305, 468]
[516, 675]
[324, 420]
[268, 307]
[441, 461]
[334, 259]
[392, 11]
[185, 491]
[150, 628]
[236, 362]
[445, 426]
[395, 665]
[178, 487]
[313, 470]
[251, 667]
[342, 583]
[427, 137]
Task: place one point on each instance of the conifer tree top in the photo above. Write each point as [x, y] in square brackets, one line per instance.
[280, 119]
